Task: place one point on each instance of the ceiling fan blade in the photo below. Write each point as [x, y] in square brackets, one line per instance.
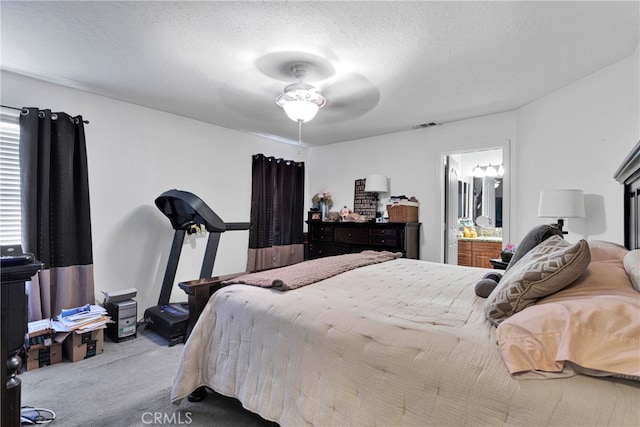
[348, 97]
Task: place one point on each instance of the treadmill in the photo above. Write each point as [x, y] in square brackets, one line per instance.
[187, 214]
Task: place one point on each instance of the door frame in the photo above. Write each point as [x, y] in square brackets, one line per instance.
[508, 183]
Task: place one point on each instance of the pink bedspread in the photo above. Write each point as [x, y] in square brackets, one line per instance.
[308, 272]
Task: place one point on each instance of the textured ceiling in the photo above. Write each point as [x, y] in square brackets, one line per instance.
[383, 66]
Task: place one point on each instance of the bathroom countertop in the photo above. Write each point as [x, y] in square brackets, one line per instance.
[480, 239]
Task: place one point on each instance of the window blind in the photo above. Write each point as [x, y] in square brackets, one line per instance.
[10, 216]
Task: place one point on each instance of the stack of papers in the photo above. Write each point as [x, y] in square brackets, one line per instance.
[81, 319]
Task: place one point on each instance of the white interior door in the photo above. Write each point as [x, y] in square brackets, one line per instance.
[451, 211]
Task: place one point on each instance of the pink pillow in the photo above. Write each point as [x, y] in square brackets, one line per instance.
[591, 327]
[602, 250]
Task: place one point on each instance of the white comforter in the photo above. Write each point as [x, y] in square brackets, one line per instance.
[404, 342]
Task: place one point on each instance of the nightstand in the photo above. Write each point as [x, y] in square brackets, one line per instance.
[498, 264]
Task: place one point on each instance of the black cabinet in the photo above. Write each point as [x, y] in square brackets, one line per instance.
[14, 326]
[337, 238]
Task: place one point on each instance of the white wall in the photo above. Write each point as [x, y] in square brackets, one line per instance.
[577, 137]
[135, 154]
[411, 161]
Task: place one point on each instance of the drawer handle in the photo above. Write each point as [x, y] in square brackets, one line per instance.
[349, 234]
[382, 240]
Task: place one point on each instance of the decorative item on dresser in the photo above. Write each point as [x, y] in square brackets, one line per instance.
[337, 238]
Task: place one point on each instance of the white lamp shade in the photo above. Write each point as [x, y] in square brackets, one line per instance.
[300, 110]
[376, 184]
[561, 204]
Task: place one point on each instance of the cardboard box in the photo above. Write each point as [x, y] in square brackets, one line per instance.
[43, 356]
[403, 212]
[40, 334]
[82, 346]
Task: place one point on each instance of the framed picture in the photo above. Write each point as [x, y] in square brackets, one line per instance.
[315, 216]
[363, 203]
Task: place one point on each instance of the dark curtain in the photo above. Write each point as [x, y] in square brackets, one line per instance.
[55, 209]
[277, 213]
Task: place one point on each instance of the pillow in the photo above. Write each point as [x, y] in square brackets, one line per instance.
[632, 267]
[602, 250]
[591, 327]
[547, 268]
[533, 238]
[487, 284]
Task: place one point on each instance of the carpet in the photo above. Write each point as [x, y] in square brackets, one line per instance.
[129, 384]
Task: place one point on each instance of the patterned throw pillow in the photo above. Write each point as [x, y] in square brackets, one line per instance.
[547, 268]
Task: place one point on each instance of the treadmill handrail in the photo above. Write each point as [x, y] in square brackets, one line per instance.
[185, 209]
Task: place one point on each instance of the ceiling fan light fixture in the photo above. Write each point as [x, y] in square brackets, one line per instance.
[300, 103]
[300, 111]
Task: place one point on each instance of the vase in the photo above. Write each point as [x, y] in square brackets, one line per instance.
[324, 210]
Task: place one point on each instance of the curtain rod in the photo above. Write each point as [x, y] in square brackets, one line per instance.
[20, 109]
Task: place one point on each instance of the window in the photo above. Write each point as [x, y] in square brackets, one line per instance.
[10, 218]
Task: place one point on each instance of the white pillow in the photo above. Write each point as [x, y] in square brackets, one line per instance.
[632, 267]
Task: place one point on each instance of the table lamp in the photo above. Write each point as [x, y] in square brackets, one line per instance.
[376, 184]
[561, 204]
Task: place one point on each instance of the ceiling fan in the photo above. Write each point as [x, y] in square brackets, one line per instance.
[300, 101]
[347, 95]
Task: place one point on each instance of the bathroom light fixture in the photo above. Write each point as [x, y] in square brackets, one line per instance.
[561, 204]
[478, 172]
[300, 101]
[488, 171]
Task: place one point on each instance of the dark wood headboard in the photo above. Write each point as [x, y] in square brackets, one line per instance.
[628, 174]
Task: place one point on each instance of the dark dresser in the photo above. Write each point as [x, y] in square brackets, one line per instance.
[337, 238]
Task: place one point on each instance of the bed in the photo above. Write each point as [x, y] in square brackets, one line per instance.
[409, 342]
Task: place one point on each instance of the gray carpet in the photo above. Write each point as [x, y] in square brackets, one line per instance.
[129, 384]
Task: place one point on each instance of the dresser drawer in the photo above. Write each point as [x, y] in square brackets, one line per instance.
[320, 228]
[319, 250]
[390, 242]
[322, 237]
[351, 235]
[383, 232]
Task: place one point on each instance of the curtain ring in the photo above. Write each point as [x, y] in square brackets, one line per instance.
[54, 116]
[24, 111]
[41, 114]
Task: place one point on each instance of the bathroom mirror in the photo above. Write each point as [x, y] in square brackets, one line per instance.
[486, 200]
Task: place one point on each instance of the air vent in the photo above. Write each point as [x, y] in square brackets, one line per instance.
[426, 125]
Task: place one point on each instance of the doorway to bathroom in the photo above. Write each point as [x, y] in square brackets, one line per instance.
[475, 204]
